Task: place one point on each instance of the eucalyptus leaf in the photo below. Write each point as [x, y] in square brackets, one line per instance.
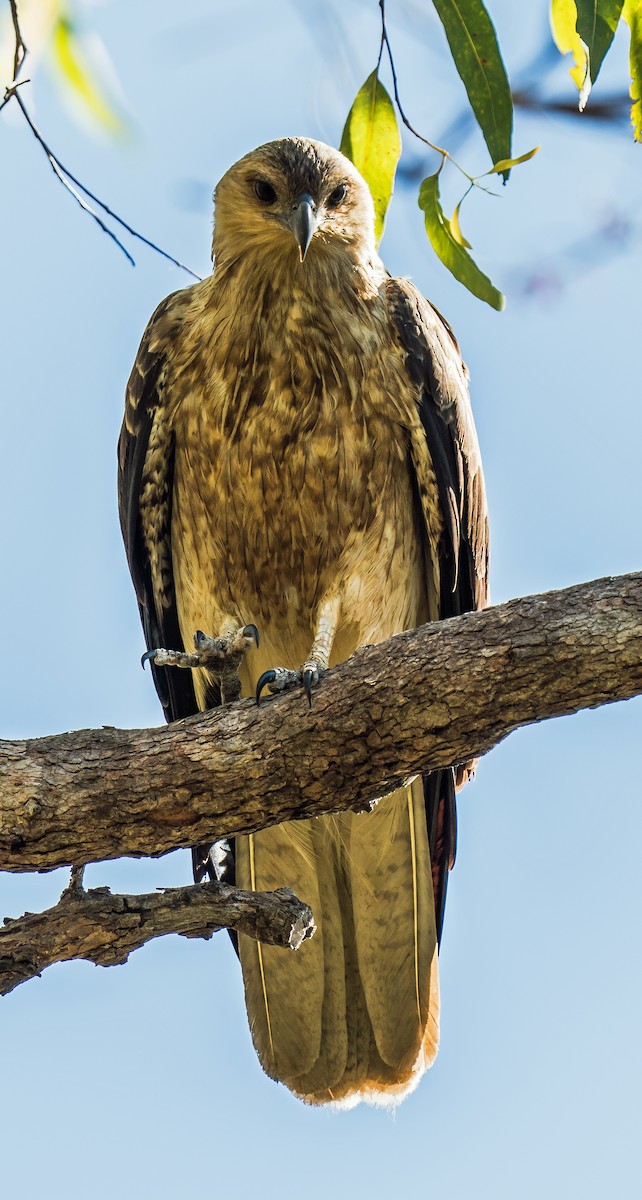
[452, 253]
[455, 229]
[506, 163]
[473, 45]
[371, 140]
[597, 21]
[74, 66]
[632, 13]
[568, 41]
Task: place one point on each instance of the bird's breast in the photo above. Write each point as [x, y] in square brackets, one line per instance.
[278, 496]
[292, 472]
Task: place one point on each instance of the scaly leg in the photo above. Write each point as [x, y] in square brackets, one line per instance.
[220, 656]
[281, 679]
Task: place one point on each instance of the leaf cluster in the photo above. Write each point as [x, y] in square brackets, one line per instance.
[372, 139]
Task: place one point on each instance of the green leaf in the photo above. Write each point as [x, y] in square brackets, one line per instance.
[507, 163]
[568, 41]
[597, 21]
[586, 29]
[72, 63]
[473, 44]
[632, 13]
[453, 255]
[371, 140]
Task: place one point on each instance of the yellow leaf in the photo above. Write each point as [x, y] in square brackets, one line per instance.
[568, 40]
[73, 66]
[455, 229]
[632, 13]
[505, 164]
[371, 141]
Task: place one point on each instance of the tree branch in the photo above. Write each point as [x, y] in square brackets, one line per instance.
[431, 697]
[104, 929]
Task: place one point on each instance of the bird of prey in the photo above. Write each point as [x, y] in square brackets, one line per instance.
[298, 460]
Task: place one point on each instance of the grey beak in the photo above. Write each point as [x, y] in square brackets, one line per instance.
[303, 221]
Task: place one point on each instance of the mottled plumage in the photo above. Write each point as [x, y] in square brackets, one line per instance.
[298, 453]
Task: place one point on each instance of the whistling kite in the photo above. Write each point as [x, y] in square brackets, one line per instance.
[298, 457]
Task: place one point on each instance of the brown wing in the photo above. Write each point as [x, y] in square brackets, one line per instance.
[436, 369]
[144, 433]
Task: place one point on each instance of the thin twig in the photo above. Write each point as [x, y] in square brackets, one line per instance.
[11, 89]
[385, 40]
[415, 132]
[21, 51]
[66, 177]
[59, 172]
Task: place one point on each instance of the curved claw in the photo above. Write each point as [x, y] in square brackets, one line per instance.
[252, 631]
[148, 656]
[266, 678]
[309, 677]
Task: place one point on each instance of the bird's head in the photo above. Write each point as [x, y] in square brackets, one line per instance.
[294, 200]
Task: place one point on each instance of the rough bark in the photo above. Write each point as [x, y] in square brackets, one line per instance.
[431, 697]
[104, 929]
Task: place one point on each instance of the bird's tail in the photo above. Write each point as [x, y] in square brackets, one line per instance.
[354, 1013]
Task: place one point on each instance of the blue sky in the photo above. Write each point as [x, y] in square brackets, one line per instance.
[141, 1080]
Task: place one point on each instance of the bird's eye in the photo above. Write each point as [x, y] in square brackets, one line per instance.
[264, 191]
[335, 198]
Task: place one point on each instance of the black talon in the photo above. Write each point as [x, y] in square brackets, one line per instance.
[252, 631]
[148, 656]
[308, 678]
[266, 678]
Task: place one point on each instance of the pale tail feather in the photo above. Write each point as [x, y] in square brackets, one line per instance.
[354, 1014]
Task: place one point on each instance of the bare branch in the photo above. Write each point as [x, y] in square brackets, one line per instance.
[60, 174]
[104, 929]
[66, 177]
[20, 52]
[428, 698]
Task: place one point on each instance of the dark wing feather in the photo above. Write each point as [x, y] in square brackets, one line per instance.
[441, 818]
[144, 413]
[436, 369]
[144, 406]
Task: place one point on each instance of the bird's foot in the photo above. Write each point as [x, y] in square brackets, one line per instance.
[282, 679]
[213, 653]
[221, 656]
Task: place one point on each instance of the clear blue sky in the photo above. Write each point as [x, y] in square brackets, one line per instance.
[141, 1080]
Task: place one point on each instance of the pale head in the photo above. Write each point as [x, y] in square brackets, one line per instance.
[296, 201]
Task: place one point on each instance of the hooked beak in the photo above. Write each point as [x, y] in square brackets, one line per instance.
[303, 221]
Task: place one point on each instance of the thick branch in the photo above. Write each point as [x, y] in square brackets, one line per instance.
[428, 698]
[104, 929]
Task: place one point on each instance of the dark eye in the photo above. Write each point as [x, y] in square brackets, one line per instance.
[335, 197]
[264, 191]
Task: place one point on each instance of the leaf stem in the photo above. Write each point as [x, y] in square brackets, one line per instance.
[385, 40]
